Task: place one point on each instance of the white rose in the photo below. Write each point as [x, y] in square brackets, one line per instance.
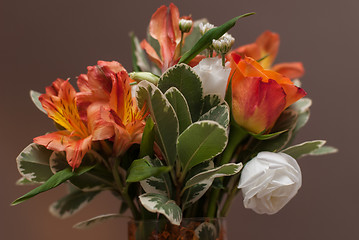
[213, 75]
[269, 181]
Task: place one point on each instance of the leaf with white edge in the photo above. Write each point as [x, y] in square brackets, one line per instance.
[142, 169]
[206, 231]
[218, 114]
[139, 60]
[195, 192]
[71, 203]
[324, 151]
[54, 181]
[179, 104]
[96, 179]
[160, 184]
[182, 77]
[96, 220]
[228, 169]
[35, 99]
[200, 142]
[33, 163]
[302, 105]
[23, 181]
[260, 136]
[158, 203]
[164, 117]
[303, 149]
[209, 102]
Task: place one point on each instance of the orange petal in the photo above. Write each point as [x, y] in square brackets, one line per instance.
[76, 150]
[291, 70]
[151, 53]
[268, 43]
[56, 141]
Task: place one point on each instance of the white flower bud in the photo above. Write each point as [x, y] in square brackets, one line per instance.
[205, 27]
[223, 44]
[185, 25]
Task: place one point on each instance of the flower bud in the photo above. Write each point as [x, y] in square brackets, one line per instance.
[205, 27]
[185, 25]
[223, 44]
[140, 76]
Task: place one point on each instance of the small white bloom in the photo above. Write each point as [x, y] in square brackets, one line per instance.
[205, 27]
[185, 25]
[223, 44]
[213, 75]
[269, 181]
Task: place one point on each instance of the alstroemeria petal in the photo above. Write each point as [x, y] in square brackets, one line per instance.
[268, 43]
[151, 53]
[76, 150]
[56, 141]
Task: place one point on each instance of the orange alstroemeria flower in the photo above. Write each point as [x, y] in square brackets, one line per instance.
[266, 46]
[259, 96]
[164, 27]
[127, 118]
[59, 101]
[106, 89]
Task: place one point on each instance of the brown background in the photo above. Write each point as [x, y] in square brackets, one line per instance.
[43, 40]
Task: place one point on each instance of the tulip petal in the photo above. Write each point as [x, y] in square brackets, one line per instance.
[291, 70]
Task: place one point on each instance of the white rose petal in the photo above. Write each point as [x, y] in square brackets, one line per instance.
[213, 75]
[269, 181]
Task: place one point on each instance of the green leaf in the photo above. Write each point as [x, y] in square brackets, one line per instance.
[54, 181]
[160, 184]
[182, 77]
[180, 106]
[142, 169]
[206, 40]
[219, 114]
[139, 60]
[97, 179]
[148, 138]
[158, 203]
[200, 142]
[228, 169]
[164, 117]
[33, 163]
[71, 203]
[96, 220]
[260, 136]
[35, 99]
[303, 149]
[209, 102]
[23, 181]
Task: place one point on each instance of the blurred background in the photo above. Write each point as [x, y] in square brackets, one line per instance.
[42, 40]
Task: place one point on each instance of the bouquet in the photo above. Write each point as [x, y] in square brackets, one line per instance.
[193, 124]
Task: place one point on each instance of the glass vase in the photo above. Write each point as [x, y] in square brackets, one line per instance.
[190, 229]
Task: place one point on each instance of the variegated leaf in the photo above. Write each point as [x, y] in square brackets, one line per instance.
[142, 169]
[219, 113]
[200, 142]
[206, 231]
[228, 169]
[209, 102]
[35, 99]
[180, 106]
[96, 220]
[304, 149]
[164, 117]
[182, 77]
[33, 163]
[158, 203]
[71, 203]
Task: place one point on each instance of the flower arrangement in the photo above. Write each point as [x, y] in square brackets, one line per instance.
[181, 135]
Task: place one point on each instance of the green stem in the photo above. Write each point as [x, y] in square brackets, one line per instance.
[213, 203]
[223, 60]
[181, 43]
[124, 189]
[228, 202]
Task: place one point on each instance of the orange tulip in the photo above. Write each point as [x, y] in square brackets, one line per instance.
[267, 45]
[59, 101]
[259, 96]
[164, 27]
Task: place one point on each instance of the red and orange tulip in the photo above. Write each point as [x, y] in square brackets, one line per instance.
[259, 96]
[266, 46]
